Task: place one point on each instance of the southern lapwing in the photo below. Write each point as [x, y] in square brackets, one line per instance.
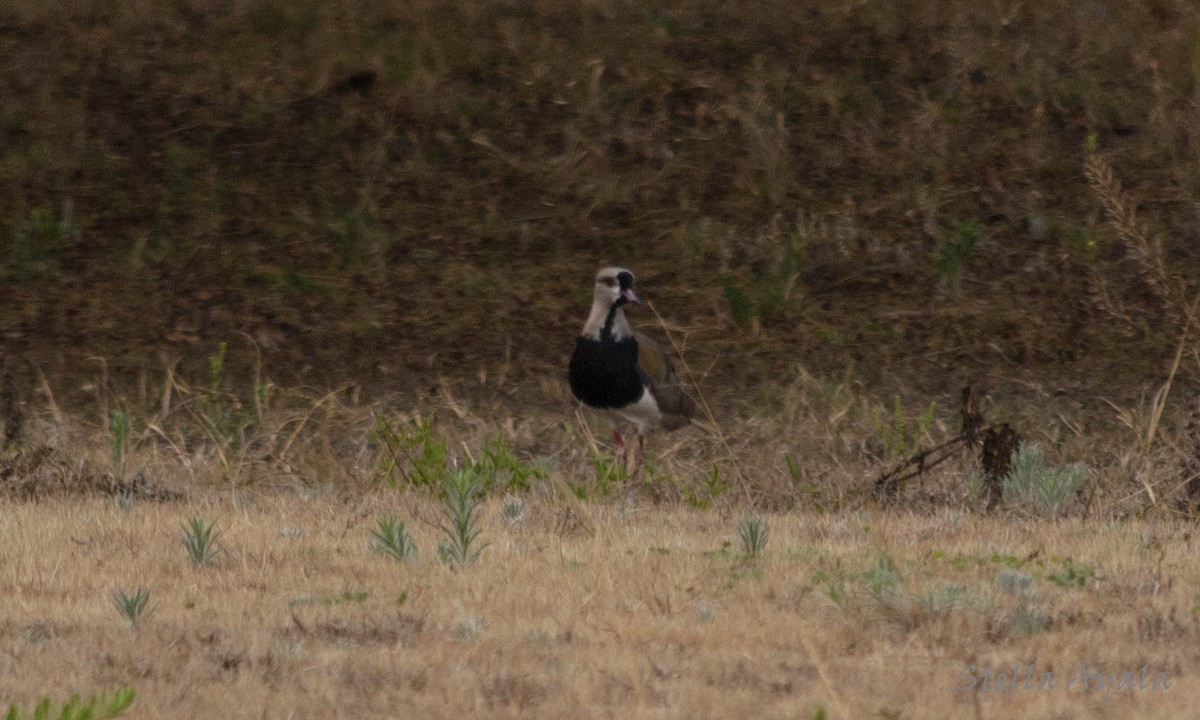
[624, 372]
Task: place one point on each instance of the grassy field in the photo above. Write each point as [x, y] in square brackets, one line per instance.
[650, 613]
[298, 267]
[587, 595]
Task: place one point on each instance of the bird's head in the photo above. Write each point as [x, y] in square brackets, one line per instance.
[614, 286]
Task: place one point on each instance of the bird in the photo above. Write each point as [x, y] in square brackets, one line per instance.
[616, 369]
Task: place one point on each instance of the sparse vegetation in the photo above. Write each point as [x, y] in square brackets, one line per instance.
[132, 607]
[753, 532]
[468, 628]
[953, 251]
[710, 487]
[900, 436]
[505, 471]
[390, 537]
[222, 413]
[415, 455]
[941, 584]
[119, 429]
[392, 210]
[199, 539]
[461, 512]
[38, 242]
[1035, 487]
[609, 475]
[513, 511]
[765, 292]
[882, 580]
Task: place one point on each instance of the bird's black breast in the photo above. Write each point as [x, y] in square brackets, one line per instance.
[605, 373]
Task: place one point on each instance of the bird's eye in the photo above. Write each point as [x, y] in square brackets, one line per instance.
[609, 281]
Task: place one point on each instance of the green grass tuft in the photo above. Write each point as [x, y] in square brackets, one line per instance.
[390, 537]
[461, 512]
[200, 540]
[753, 532]
[133, 608]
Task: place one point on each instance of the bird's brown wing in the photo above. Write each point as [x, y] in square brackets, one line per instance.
[674, 402]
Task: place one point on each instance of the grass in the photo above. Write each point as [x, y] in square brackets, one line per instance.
[753, 533]
[390, 537]
[133, 607]
[461, 513]
[304, 266]
[233, 628]
[200, 540]
[119, 430]
[1035, 487]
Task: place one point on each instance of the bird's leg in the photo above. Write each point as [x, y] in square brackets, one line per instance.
[638, 452]
[621, 451]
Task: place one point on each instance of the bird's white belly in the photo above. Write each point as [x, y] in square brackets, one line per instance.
[642, 413]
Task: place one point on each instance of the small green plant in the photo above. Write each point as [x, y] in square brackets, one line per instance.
[221, 412]
[124, 499]
[1033, 486]
[200, 540]
[834, 582]
[462, 492]
[1073, 574]
[120, 424]
[513, 511]
[416, 457]
[764, 292]
[391, 538]
[1027, 622]
[1014, 581]
[37, 242]
[953, 250]
[711, 487]
[753, 533]
[901, 437]
[793, 467]
[358, 236]
[414, 447]
[346, 596]
[132, 607]
[506, 471]
[610, 475]
[881, 580]
[975, 485]
[942, 599]
[468, 628]
[95, 707]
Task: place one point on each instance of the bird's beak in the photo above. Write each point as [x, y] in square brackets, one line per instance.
[627, 293]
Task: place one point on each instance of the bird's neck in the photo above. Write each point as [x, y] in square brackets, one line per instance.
[607, 323]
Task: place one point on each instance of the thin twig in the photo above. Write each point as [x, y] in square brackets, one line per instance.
[897, 475]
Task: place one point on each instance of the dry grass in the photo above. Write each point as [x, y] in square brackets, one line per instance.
[385, 209]
[598, 608]
[646, 616]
